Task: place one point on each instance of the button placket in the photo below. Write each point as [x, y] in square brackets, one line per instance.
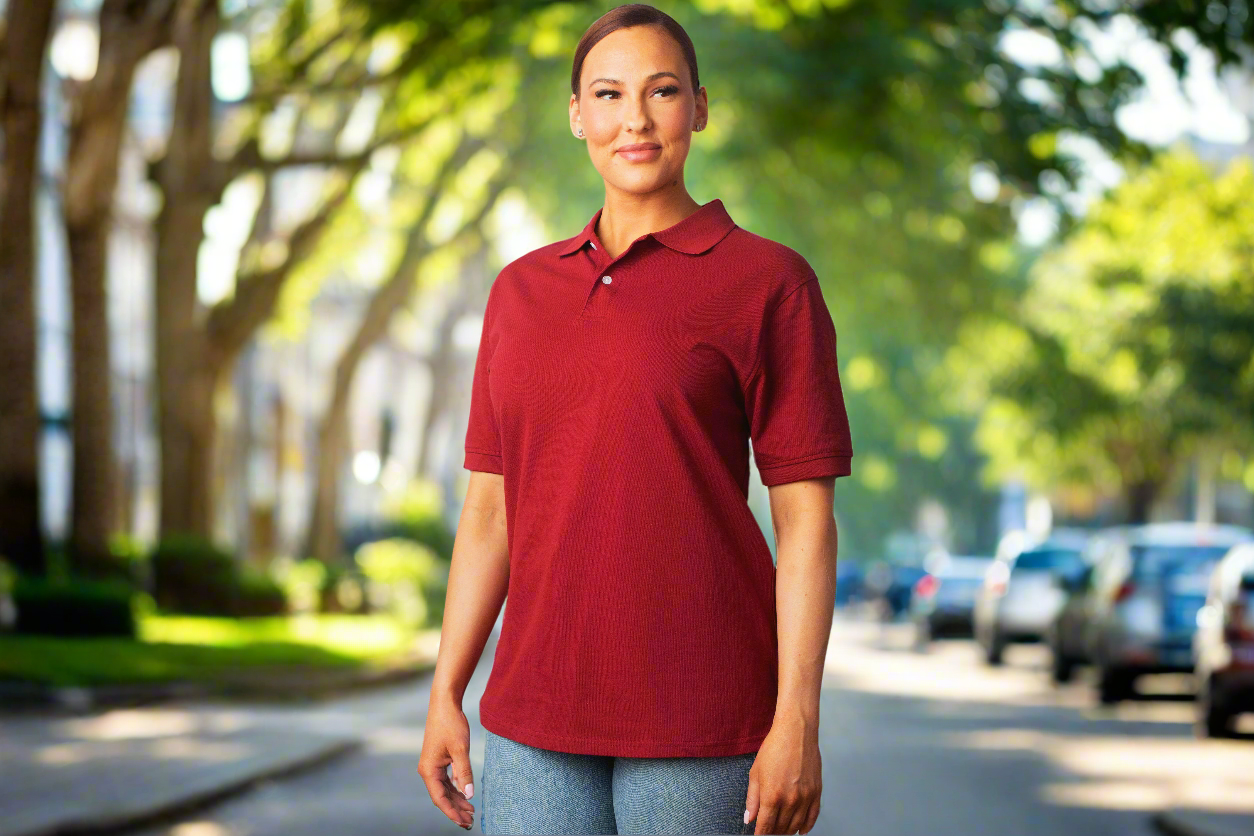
[603, 285]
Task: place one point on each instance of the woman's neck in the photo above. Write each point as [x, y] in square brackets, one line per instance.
[627, 216]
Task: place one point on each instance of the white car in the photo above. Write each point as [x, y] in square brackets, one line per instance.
[1020, 598]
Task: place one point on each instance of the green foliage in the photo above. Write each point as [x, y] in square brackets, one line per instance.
[313, 586]
[200, 649]
[406, 579]
[191, 575]
[418, 513]
[1134, 345]
[8, 577]
[74, 607]
[257, 594]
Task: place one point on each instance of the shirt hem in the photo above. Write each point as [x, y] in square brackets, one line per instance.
[484, 462]
[620, 748]
[806, 467]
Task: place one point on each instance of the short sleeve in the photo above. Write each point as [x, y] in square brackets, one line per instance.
[483, 441]
[793, 400]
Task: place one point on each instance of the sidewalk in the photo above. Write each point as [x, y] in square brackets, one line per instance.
[120, 768]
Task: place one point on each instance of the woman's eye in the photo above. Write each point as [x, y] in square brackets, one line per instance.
[669, 90]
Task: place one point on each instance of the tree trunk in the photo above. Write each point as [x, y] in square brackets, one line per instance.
[94, 499]
[1204, 489]
[129, 31]
[323, 538]
[186, 374]
[443, 365]
[1140, 498]
[21, 533]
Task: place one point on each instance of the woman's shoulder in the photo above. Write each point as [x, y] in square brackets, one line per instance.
[779, 268]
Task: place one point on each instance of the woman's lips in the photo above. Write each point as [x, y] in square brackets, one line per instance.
[640, 155]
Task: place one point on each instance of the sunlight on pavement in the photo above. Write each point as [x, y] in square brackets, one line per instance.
[199, 828]
[1144, 769]
[178, 748]
[148, 722]
[394, 739]
[1114, 795]
[1135, 772]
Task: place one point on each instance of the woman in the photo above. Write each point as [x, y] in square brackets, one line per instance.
[642, 682]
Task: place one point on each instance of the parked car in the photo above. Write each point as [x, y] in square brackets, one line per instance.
[1223, 646]
[848, 583]
[1019, 598]
[1065, 635]
[944, 598]
[1148, 583]
[901, 588]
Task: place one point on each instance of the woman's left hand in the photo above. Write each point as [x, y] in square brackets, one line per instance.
[786, 780]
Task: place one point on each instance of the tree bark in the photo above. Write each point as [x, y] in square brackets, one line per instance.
[94, 501]
[129, 31]
[443, 367]
[1140, 497]
[26, 37]
[185, 372]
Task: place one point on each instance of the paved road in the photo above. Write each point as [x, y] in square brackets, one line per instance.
[913, 743]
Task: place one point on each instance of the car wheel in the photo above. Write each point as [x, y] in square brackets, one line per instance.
[995, 650]
[922, 636]
[1113, 685]
[1212, 719]
[1063, 668]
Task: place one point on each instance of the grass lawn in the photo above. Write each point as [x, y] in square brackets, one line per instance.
[198, 649]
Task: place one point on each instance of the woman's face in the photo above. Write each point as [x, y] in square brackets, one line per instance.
[636, 89]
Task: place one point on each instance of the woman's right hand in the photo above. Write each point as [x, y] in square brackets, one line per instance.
[446, 741]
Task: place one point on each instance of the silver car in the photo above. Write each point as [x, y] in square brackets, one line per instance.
[1223, 647]
[1020, 596]
[1148, 583]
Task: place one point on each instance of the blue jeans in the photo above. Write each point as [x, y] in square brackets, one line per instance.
[530, 790]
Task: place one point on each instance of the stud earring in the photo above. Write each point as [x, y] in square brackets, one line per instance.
[581, 132]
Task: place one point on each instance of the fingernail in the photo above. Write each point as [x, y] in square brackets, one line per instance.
[746, 816]
[470, 790]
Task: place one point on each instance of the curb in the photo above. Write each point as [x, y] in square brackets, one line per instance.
[125, 821]
[1179, 823]
[33, 696]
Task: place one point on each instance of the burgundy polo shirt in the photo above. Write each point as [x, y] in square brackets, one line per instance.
[618, 398]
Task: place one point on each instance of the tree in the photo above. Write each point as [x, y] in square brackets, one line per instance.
[23, 44]
[472, 166]
[129, 31]
[307, 62]
[1134, 345]
[195, 347]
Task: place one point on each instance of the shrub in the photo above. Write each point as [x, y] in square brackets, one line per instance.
[74, 607]
[191, 575]
[8, 612]
[416, 513]
[406, 579]
[258, 594]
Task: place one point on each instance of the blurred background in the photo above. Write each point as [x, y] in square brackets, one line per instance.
[245, 247]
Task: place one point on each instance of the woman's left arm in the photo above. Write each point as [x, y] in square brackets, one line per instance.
[786, 781]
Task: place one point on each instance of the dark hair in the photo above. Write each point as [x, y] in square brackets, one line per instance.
[623, 17]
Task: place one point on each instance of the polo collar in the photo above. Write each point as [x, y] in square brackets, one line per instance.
[693, 235]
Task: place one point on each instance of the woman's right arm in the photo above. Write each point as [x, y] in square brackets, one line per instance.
[477, 583]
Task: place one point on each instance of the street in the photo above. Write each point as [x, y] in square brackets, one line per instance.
[931, 743]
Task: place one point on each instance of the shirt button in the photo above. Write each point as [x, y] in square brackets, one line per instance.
[605, 279]
[594, 244]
